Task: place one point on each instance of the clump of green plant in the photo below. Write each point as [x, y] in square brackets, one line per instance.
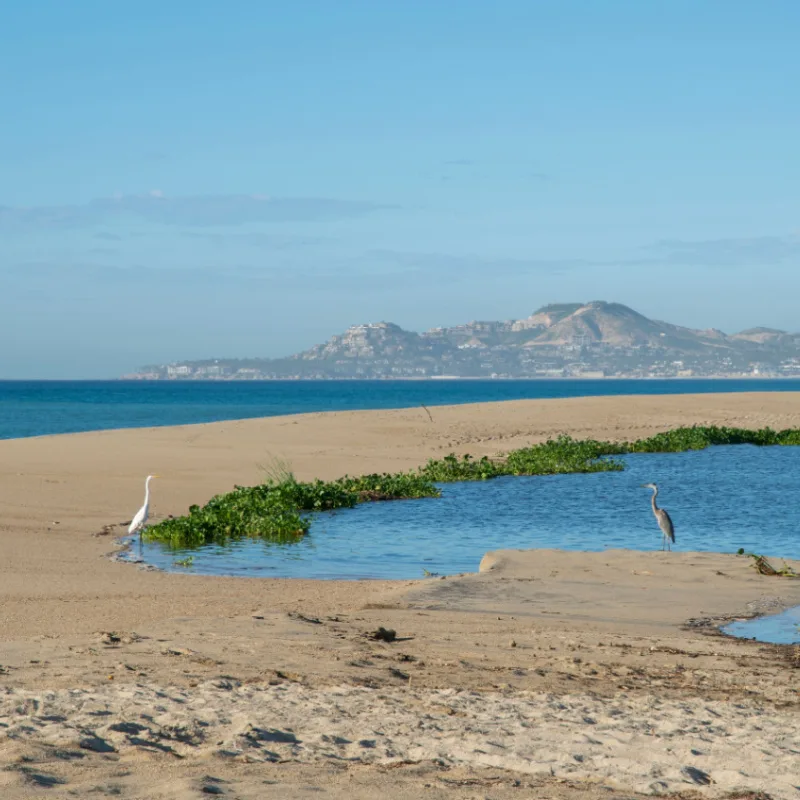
[564, 455]
[279, 512]
[451, 469]
[699, 437]
[553, 457]
[313, 495]
[258, 512]
[390, 486]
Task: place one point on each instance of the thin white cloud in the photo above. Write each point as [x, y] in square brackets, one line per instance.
[745, 252]
[190, 211]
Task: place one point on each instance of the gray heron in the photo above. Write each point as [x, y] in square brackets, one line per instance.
[663, 519]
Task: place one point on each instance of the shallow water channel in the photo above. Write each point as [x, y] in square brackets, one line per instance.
[720, 499]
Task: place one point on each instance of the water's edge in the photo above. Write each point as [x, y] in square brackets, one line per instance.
[779, 628]
[44, 408]
[760, 628]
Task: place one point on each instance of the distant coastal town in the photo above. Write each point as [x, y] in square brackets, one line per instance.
[590, 341]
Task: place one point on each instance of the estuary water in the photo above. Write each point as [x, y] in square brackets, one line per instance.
[720, 499]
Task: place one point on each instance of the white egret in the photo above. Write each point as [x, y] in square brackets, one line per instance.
[140, 520]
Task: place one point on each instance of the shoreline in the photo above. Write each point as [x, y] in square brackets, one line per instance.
[439, 407]
[539, 624]
[708, 626]
[487, 378]
[34, 423]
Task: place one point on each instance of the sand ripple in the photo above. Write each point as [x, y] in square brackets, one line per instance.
[634, 742]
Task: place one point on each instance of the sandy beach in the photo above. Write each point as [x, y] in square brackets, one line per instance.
[542, 674]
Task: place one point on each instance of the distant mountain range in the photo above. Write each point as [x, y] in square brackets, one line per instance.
[597, 339]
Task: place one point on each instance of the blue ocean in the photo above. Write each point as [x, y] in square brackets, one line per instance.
[36, 408]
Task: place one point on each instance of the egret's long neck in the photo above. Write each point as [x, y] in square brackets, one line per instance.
[653, 499]
[147, 491]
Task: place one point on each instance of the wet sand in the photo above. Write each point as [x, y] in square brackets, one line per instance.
[562, 673]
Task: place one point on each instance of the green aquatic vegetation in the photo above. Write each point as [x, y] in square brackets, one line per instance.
[553, 457]
[256, 512]
[564, 455]
[279, 512]
[280, 509]
[451, 469]
[390, 486]
[699, 437]
[312, 496]
[789, 437]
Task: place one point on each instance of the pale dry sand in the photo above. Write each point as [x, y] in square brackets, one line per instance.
[641, 743]
[546, 674]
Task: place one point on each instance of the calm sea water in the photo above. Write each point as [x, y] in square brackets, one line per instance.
[720, 499]
[35, 408]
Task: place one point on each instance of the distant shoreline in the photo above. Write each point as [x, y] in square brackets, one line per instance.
[439, 378]
[434, 379]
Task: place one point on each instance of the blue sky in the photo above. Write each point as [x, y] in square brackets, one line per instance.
[202, 179]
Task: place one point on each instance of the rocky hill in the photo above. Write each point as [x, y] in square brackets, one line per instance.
[572, 339]
[616, 325]
[378, 340]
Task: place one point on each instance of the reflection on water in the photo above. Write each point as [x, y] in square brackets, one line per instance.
[776, 629]
[720, 499]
